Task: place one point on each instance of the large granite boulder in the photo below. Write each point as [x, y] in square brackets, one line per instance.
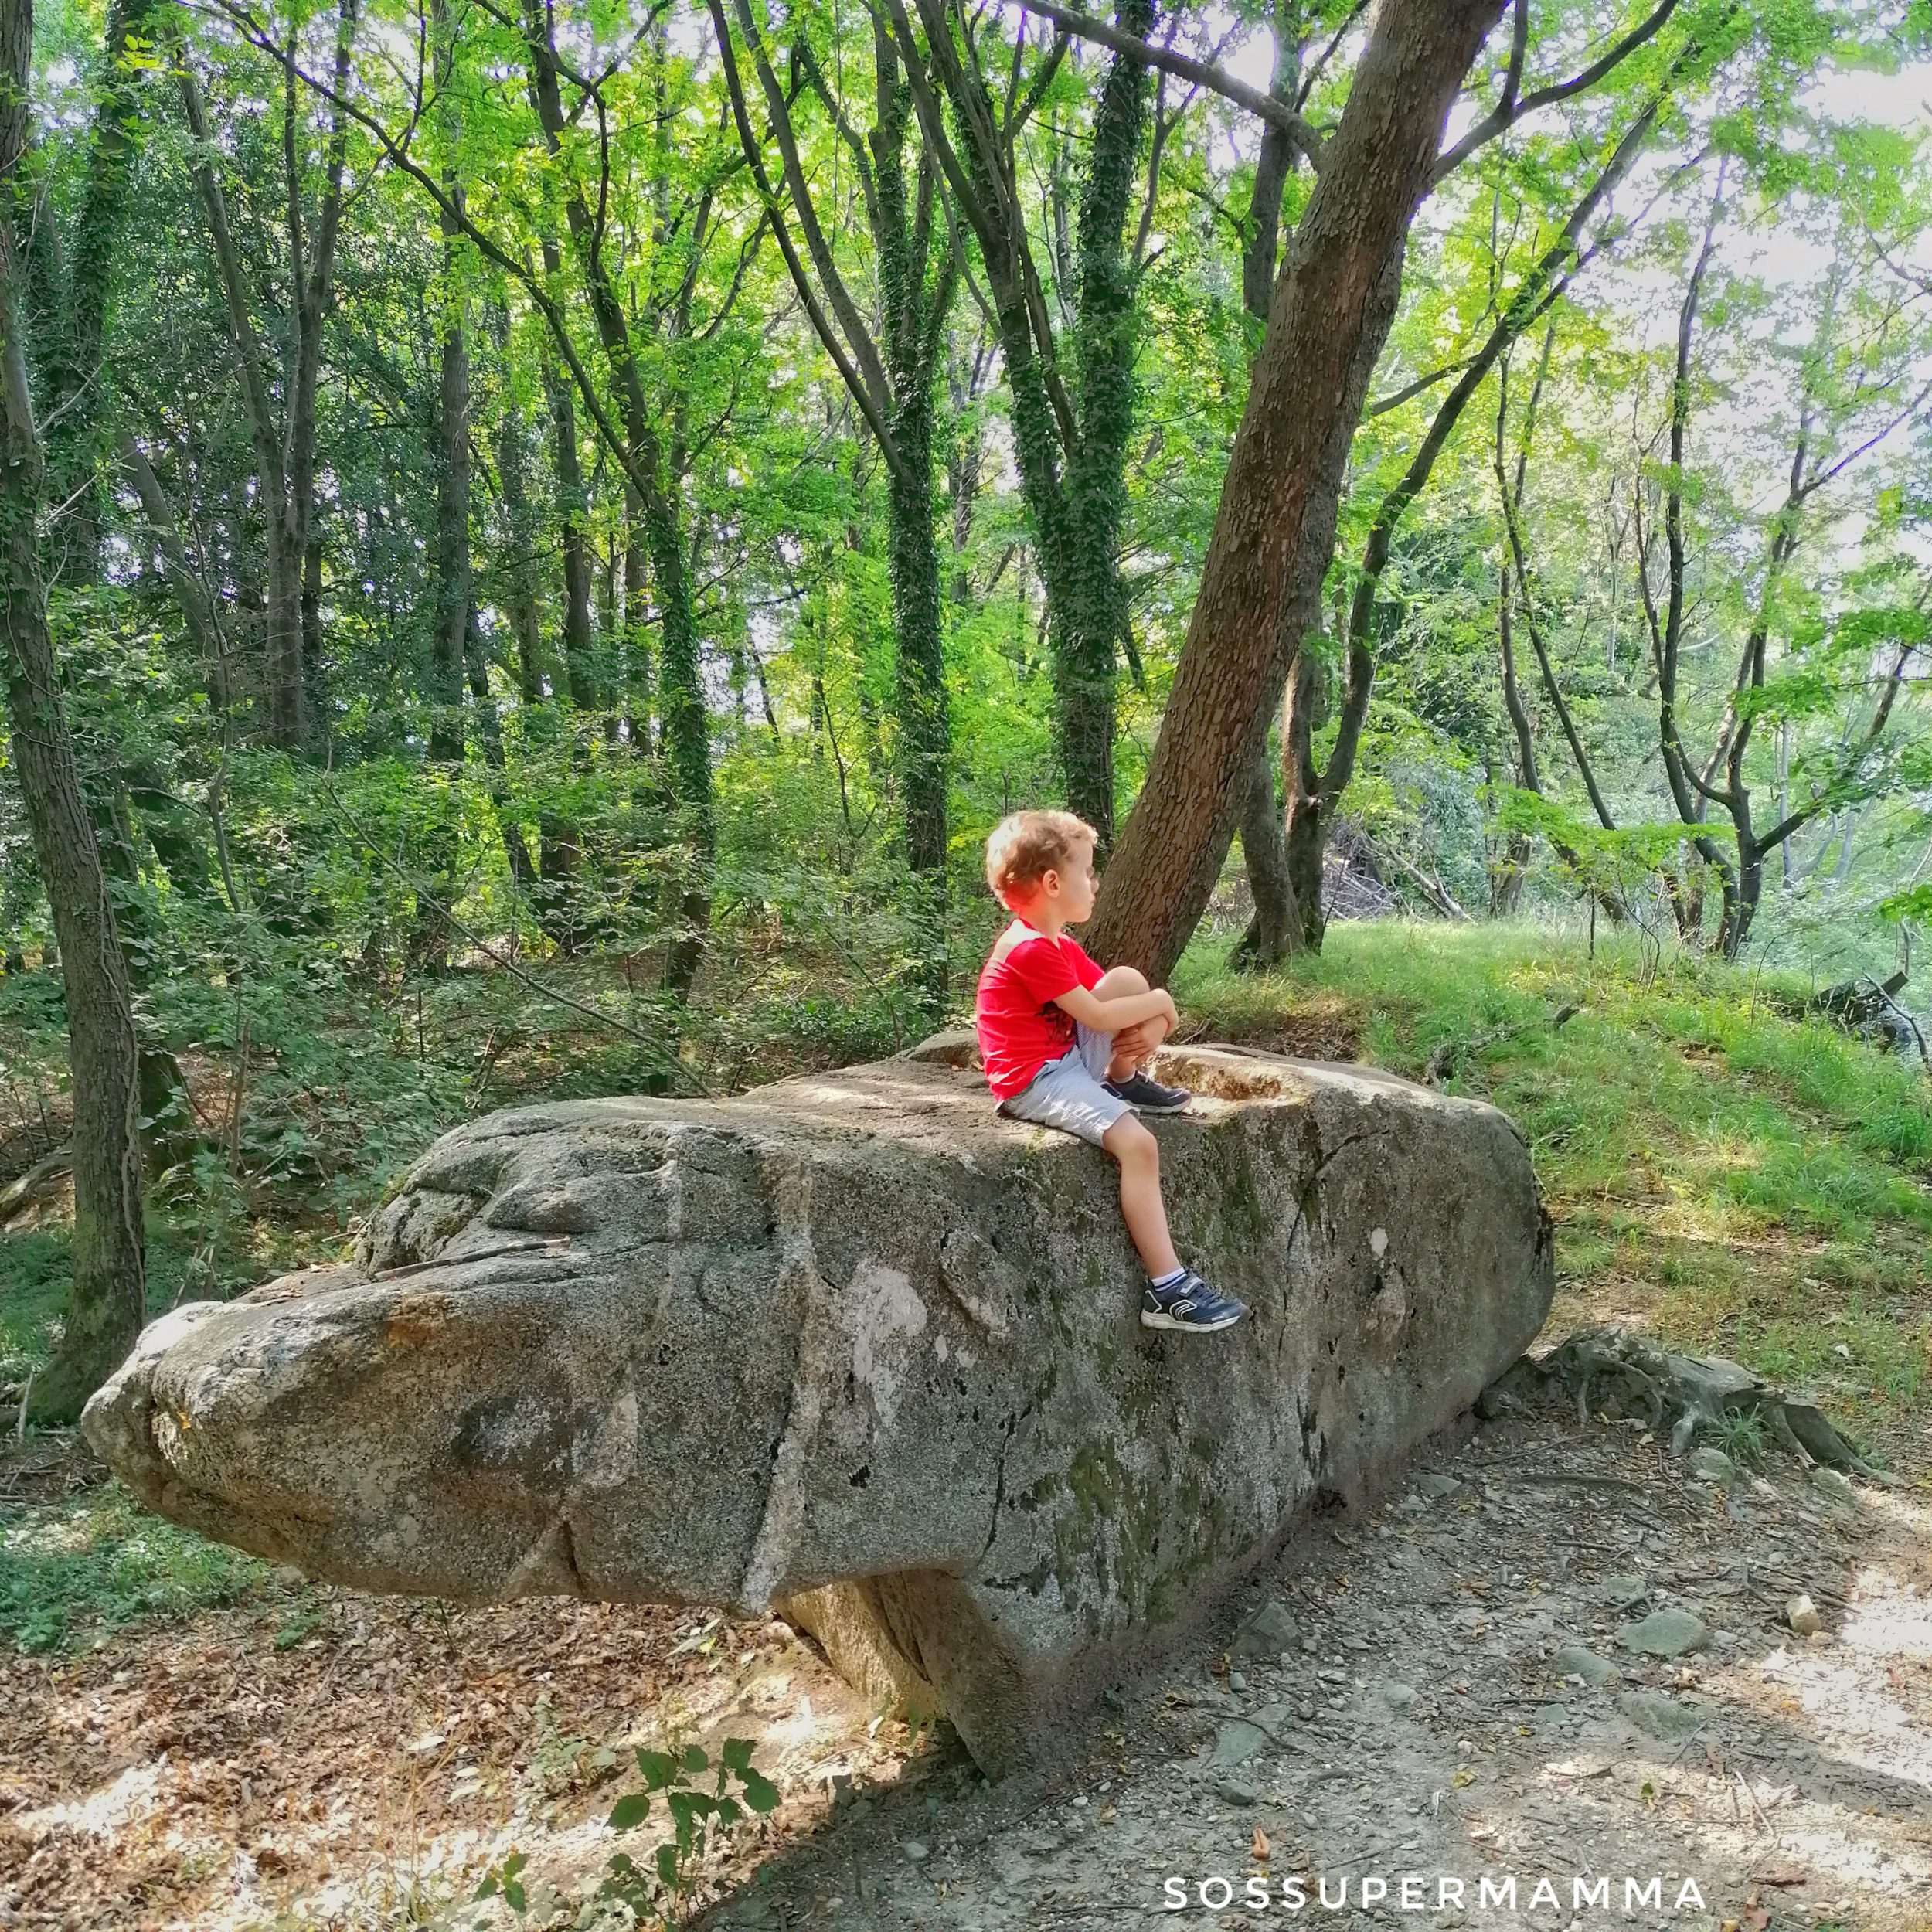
[854, 1347]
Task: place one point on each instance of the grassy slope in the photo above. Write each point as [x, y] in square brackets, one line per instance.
[1737, 1182]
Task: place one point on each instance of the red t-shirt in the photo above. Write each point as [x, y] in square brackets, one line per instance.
[1020, 1029]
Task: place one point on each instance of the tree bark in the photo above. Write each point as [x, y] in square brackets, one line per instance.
[107, 1303]
[1070, 448]
[490, 734]
[637, 670]
[1276, 928]
[76, 412]
[518, 574]
[580, 648]
[1330, 313]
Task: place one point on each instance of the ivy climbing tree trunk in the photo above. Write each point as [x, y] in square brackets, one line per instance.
[76, 332]
[1070, 445]
[1275, 929]
[893, 377]
[107, 1304]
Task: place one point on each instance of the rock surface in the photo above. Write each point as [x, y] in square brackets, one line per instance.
[854, 1346]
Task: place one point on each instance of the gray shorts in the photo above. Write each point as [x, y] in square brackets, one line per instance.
[1068, 1093]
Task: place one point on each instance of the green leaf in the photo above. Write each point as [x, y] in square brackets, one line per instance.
[760, 1793]
[630, 1811]
[694, 1758]
[667, 1864]
[658, 1769]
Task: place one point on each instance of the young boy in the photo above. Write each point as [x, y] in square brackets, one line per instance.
[1065, 1045]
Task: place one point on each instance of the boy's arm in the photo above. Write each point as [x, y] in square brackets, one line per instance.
[1111, 1015]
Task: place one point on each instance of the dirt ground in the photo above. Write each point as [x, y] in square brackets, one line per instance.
[1404, 1710]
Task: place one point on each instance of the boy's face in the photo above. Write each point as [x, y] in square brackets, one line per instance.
[1069, 888]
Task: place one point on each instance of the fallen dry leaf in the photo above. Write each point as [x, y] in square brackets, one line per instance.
[1260, 1848]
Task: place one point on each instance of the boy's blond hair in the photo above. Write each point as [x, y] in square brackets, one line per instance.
[1026, 845]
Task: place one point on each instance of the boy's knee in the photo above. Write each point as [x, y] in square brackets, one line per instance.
[1118, 982]
[1132, 1143]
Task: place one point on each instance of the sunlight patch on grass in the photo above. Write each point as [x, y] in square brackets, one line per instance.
[1755, 1183]
[76, 1572]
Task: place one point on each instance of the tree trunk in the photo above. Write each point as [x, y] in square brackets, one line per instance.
[453, 563]
[76, 410]
[1070, 450]
[1276, 928]
[637, 670]
[518, 575]
[969, 456]
[924, 737]
[1330, 313]
[489, 732]
[580, 646]
[1089, 630]
[1305, 709]
[107, 1304]
[191, 596]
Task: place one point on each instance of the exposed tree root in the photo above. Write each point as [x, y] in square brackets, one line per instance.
[1618, 1372]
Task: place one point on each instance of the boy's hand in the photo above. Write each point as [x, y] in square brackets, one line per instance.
[1139, 1041]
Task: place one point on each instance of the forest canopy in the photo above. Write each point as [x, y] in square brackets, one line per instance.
[554, 530]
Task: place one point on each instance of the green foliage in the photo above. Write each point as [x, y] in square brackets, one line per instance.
[74, 1576]
[656, 1894]
[1755, 1185]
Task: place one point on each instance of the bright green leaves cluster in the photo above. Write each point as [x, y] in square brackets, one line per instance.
[699, 1819]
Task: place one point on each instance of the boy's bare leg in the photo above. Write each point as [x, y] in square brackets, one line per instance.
[1141, 1207]
[1134, 1046]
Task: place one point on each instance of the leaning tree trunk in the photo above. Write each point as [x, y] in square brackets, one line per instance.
[107, 1304]
[1331, 311]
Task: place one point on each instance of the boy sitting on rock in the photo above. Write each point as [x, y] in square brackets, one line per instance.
[1067, 1045]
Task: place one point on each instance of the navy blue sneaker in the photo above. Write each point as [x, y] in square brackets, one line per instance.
[1188, 1302]
[1148, 1097]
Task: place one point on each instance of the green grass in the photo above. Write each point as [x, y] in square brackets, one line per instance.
[73, 1574]
[34, 1274]
[35, 1269]
[1738, 1180]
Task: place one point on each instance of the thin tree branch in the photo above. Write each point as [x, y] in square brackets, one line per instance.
[1510, 109]
[1308, 138]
